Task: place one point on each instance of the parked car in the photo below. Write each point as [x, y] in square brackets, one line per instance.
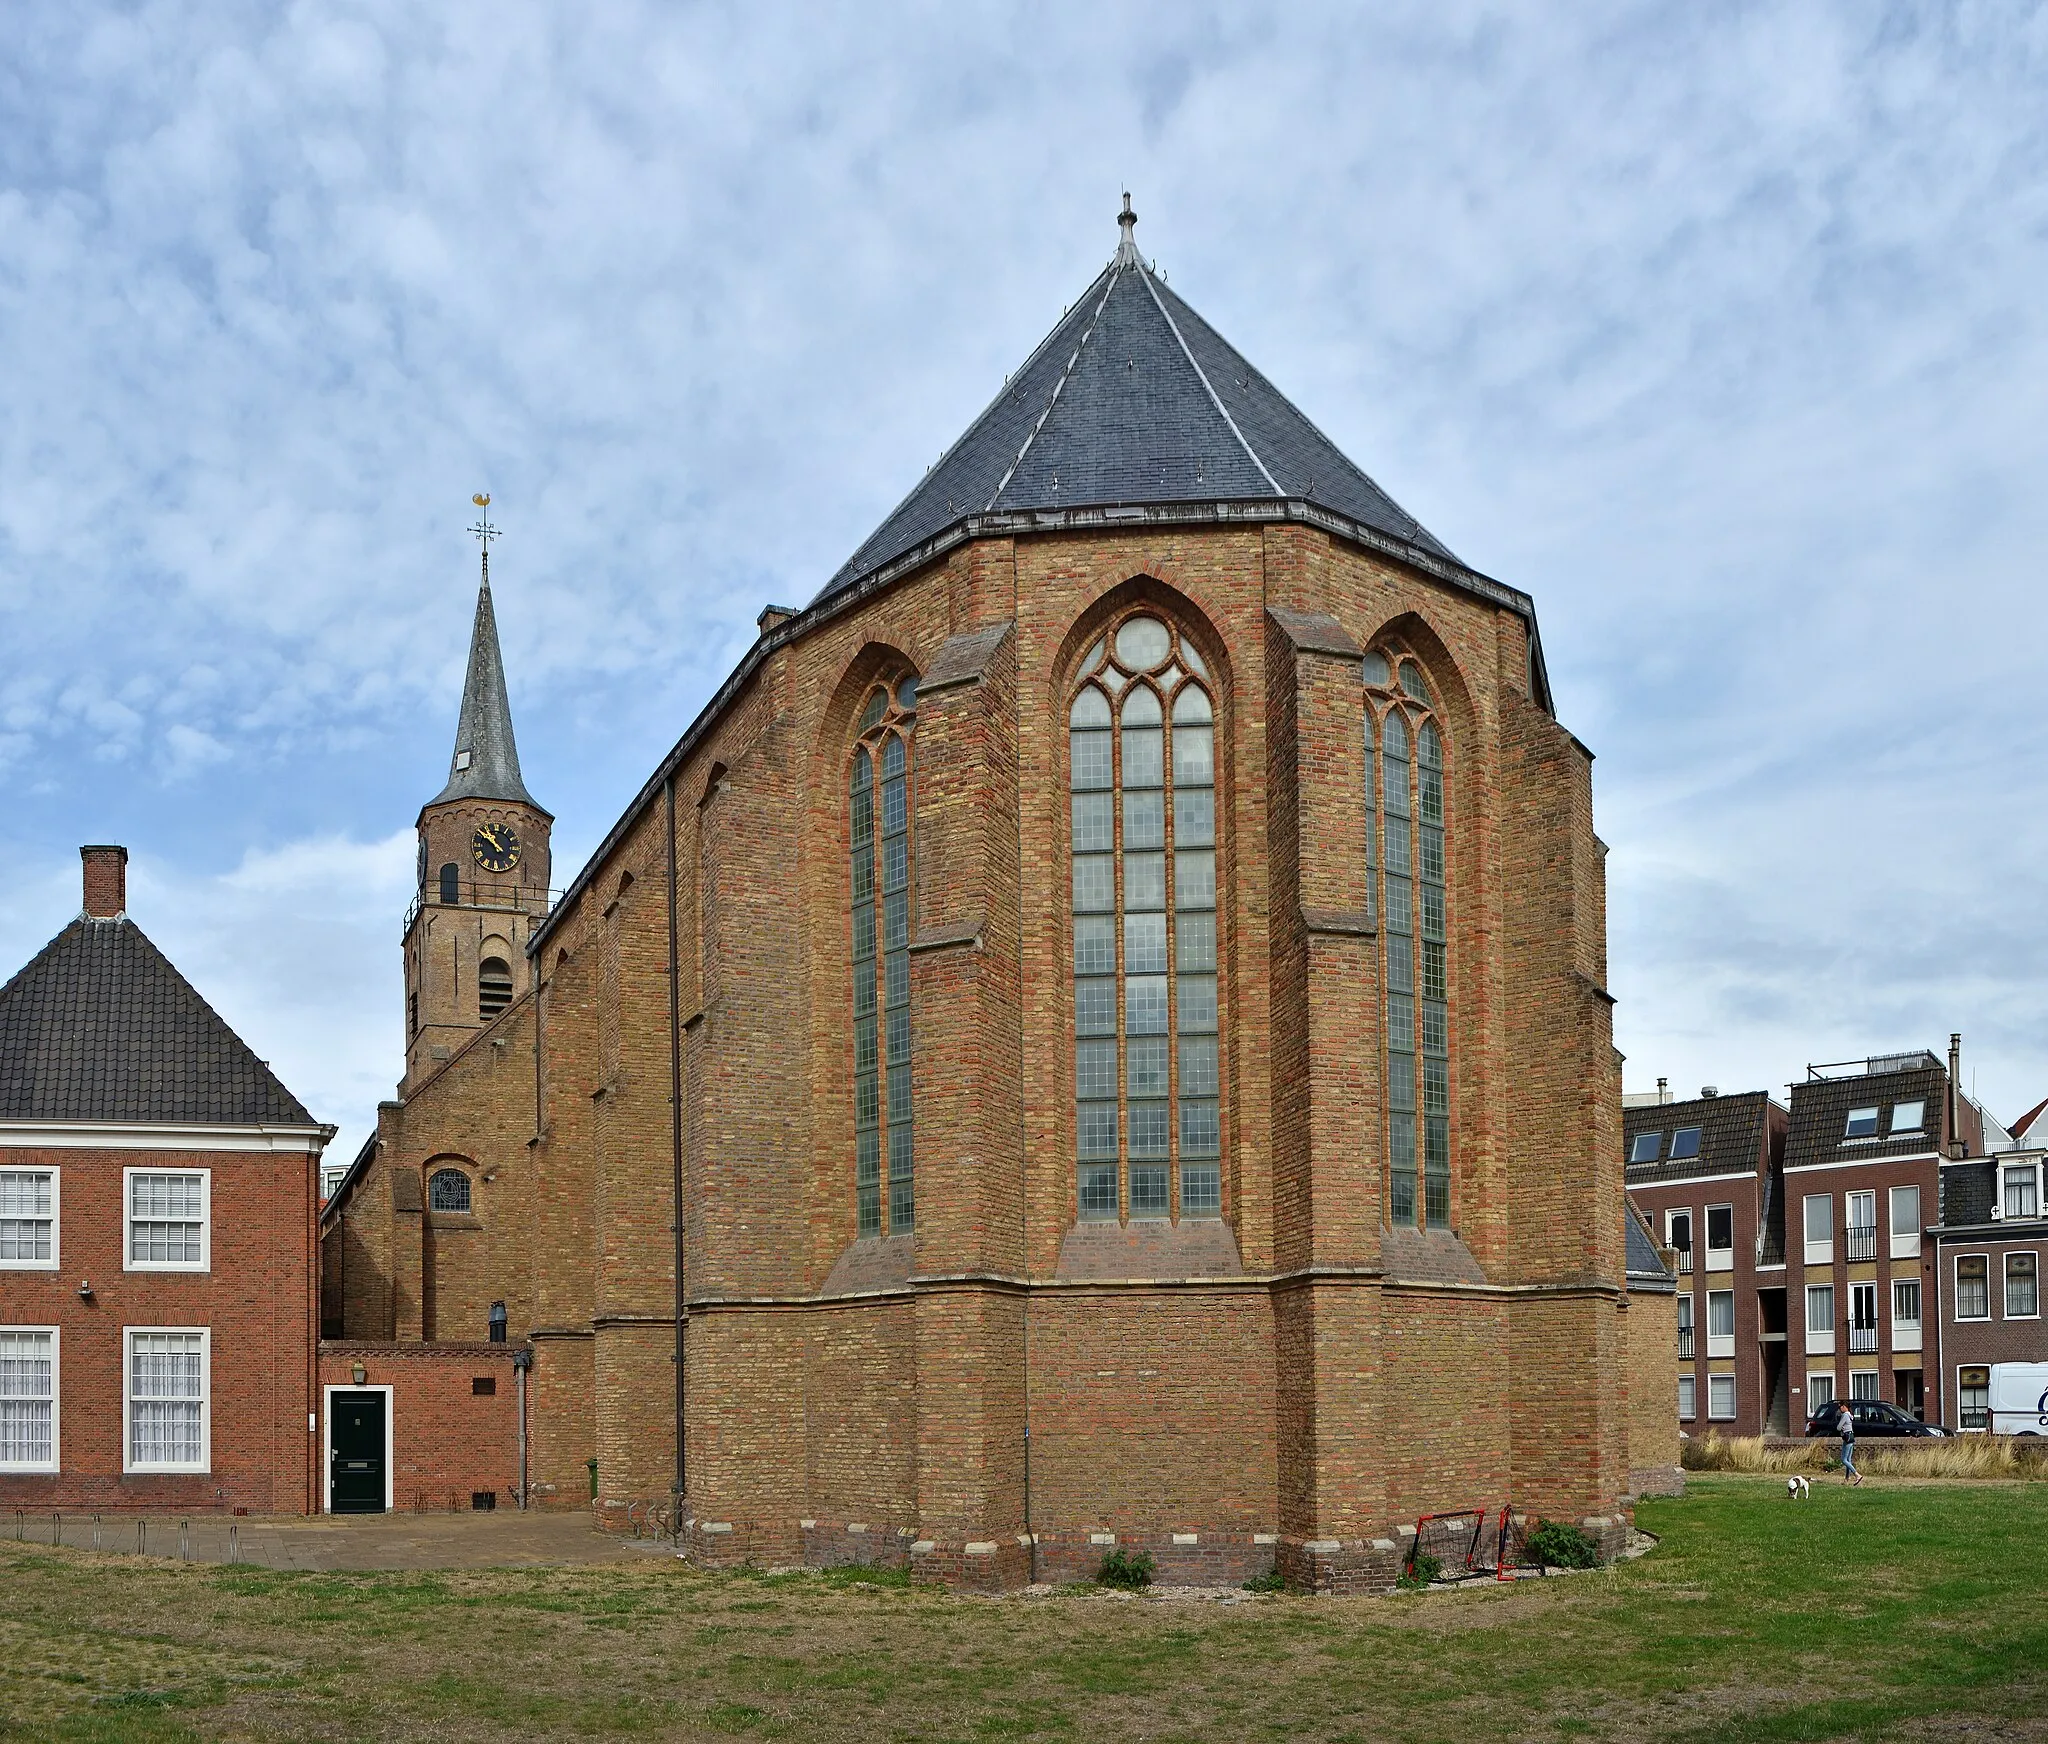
[1873, 1417]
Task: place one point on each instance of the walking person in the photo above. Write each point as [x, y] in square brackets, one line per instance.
[1845, 1427]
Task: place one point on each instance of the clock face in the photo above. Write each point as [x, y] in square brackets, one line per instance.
[495, 847]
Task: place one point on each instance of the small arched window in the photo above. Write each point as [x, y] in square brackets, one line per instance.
[451, 883]
[879, 837]
[448, 1190]
[1404, 774]
[493, 987]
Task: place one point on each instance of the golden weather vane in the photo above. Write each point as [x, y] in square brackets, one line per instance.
[483, 530]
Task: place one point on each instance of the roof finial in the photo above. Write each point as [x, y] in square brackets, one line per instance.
[1127, 222]
[483, 530]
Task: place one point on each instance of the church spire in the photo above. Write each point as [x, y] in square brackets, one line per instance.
[486, 760]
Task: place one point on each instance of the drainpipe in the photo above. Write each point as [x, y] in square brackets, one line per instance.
[522, 1360]
[675, 1131]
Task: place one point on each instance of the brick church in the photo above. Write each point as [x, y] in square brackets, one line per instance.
[1115, 986]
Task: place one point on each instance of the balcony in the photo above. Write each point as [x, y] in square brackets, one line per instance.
[1685, 1262]
[1685, 1344]
[1862, 1340]
[527, 899]
[1862, 1241]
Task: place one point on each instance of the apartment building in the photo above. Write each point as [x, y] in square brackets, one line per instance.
[1987, 1253]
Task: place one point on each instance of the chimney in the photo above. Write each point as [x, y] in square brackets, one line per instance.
[1956, 1146]
[1663, 1090]
[106, 880]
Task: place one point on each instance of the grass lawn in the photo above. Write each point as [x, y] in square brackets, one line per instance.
[1902, 1610]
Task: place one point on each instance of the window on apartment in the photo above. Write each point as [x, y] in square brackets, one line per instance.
[167, 1220]
[2022, 1286]
[448, 1190]
[1721, 1398]
[1973, 1398]
[1863, 1383]
[1905, 1304]
[1720, 1323]
[1645, 1147]
[1720, 1237]
[1860, 1224]
[879, 838]
[1862, 1123]
[1820, 1389]
[1862, 1318]
[1678, 1225]
[1820, 1310]
[1905, 1222]
[28, 1219]
[28, 1398]
[1973, 1287]
[1685, 1143]
[168, 1396]
[1820, 1227]
[1142, 775]
[2023, 1190]
[1685, 1328]
[1908, 1116]
[1688, 1398]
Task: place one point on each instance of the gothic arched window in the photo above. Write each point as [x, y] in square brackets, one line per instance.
[879, 803]
[1146, 1078]
[1404, 775]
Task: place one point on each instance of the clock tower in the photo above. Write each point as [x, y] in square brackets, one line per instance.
[482, 882]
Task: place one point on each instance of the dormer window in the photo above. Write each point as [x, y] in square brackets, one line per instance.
[1862, 1123]
[1685, 1143]
[1645, 1147]
[2023, 1190]
[461, 761]
[1908, 1116]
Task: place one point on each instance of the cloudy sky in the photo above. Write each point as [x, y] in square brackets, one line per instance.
[1719, 329]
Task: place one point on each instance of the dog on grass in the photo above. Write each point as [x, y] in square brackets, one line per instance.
[1798, 1490]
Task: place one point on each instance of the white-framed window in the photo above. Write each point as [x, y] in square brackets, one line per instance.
[1720, 1323]
[1820, 1388]
[1678, 1234]
[28, 1220]
[169, 1220]
[2022, 1286]
[167, 1400]
[1973, 1287]
[1721, 1398]
[1973, 1398]
[1685, 1349]
[1688, 1398]
[1820, 1317]
[1862, 1123]
[1720, 1238]
[1905, 1314]
[1905, 1222]
[1908, 1117]
[1863, 1383]
[1862, 1319]
[28, 1398]
[1820, 1228]
[1859, 1224]
[2022, 1190]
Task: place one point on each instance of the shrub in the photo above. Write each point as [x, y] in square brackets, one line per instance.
[1129, 1569]
[1419, 1573]
[1556, 1545]
[1269, 1582]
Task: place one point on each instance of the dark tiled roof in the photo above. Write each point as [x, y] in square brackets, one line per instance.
[1968, 1192]
[484, 730]
[1820, 1113]
[1646, 1268]
[99, 1026]
[2025, 1124]
[1731, 1136]
[1133, 399]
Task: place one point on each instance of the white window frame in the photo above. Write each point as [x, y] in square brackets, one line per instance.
[54, 1462]
[1720, 1343]
[128, 1461]
[1905, 1243]
[1720, 1385]
[1685, 1253]
[2005, 1284]
[1905, 1329]
[1816, 1339]
[56, 1217]
[1875, 1325]
[1688, 1398]
[2009, 1169]
[1818, 1253]
[327, 1442]
[128, 1261]
[1866, 1378]
[1857, 1199]
[1956, 1288]
[1817, 1382]
[1719, 1259]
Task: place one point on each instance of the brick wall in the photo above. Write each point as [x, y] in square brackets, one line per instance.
[449, 1443]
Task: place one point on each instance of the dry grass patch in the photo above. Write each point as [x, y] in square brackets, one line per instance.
[2010, 1459]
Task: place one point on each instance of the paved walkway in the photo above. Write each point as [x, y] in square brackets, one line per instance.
[362, 1541]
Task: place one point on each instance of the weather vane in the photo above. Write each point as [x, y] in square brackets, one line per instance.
[483, 530]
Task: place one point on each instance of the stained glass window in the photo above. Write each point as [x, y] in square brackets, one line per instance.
[879, 839]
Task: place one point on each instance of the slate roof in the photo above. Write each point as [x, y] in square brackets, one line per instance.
[1969, 1191]
[100, 1027]
[484, 729]
[1644, 1264]
[1133, 399]
[1820, 1113]
[1732, 1130]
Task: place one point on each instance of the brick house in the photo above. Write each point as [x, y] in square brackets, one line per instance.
[157, 1260]
[1096, 1034]
[1987, 1254]
[1706, 1175]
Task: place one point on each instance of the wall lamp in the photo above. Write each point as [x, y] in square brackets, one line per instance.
[360, 1374]
[85, 1289]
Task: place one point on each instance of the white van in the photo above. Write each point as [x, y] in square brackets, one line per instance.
[2019, 1398]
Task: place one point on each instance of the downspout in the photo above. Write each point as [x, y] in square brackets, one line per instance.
[675, 1132]
[522, 1360]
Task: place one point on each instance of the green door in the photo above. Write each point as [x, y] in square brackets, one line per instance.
[355, 1454]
